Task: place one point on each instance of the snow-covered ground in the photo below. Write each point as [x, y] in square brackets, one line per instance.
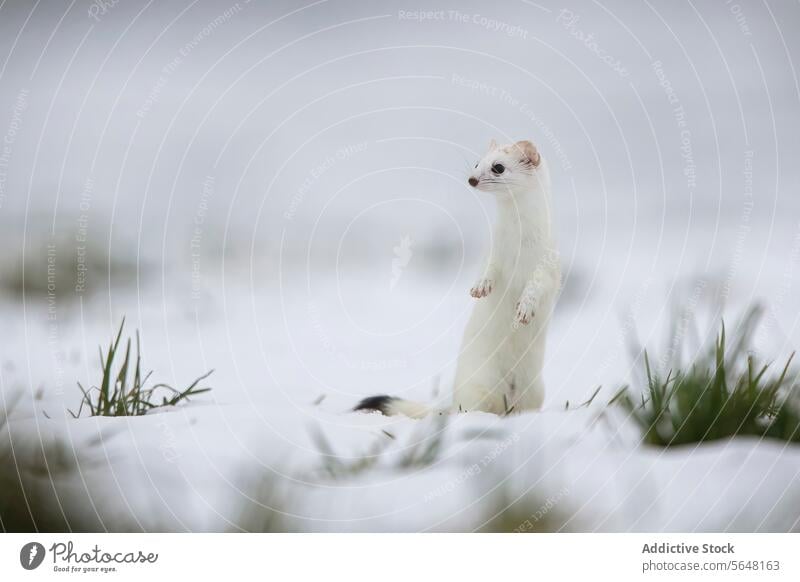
[255, 439]
[282, 195]
[213, 467]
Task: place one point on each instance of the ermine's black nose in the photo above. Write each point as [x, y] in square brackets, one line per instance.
[473, 181]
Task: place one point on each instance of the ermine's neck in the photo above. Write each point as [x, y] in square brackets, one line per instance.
[525, 216]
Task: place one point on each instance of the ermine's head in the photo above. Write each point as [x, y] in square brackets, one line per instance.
[509, 169]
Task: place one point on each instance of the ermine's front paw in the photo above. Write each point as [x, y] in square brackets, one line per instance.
[526, 309]
[482, 288]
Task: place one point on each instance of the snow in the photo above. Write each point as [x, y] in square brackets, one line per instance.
[203, 466]
[196, 468]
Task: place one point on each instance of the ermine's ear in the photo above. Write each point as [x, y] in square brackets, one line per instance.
[492, 145]
[529, 151]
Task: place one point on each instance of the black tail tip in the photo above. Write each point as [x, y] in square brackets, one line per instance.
[375, 403]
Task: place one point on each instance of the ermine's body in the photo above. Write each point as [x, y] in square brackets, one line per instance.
[502, 354]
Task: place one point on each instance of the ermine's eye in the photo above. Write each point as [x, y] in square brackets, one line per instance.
[476, 164]
[498, 169]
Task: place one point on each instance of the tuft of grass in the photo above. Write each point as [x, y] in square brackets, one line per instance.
[508, 409]
[529, 513]
[38, 491]
[724, 393]
[425, 449]
[335, 466]
[586, 403]
[265, 507]
[52, 260]
[123, 389]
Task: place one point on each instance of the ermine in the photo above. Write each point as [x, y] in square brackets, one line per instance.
[502, 354]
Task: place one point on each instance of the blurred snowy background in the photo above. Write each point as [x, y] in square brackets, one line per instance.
[278, 190]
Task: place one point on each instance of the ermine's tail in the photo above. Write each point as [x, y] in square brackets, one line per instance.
[392, 406]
